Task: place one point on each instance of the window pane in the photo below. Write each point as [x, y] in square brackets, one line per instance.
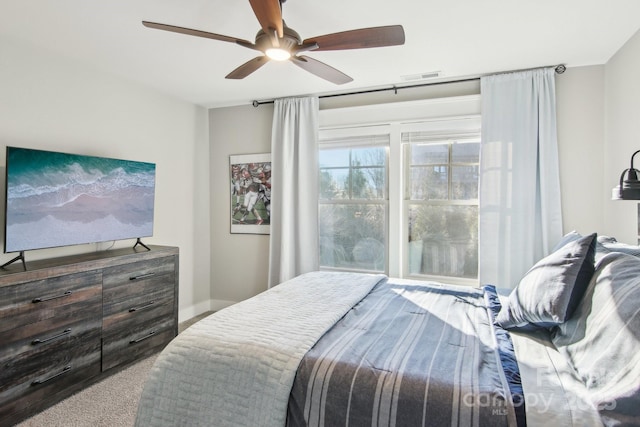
[374, 156]
[334, 184]
[466, 152]
[333, 158]
[367, 183]
[429, 154]
[464, 185]
[429, 183]
[362, 177]
[353, 236]
[443, 240]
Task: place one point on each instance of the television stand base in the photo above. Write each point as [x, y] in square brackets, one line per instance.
[138, 242]
[19, 257]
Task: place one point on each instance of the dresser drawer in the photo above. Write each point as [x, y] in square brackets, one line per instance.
[124, 346]
[56, 383]
[49, 364]
[127, 274]
[22, 344]
[152, 307]
[48, 304]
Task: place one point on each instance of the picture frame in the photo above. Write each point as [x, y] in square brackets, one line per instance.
[250, 185]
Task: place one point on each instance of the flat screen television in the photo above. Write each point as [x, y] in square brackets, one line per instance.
[58, 199]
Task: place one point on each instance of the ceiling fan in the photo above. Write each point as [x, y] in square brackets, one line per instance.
[279, 42]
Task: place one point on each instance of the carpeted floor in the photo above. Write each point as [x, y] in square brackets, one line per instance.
[113, 402]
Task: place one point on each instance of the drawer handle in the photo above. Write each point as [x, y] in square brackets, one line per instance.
[44, 340]
[142, 276]
[137, 340]
[64, 371]
[142, 307]
[66, 294]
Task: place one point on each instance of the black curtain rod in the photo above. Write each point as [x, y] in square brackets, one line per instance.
[559, 69]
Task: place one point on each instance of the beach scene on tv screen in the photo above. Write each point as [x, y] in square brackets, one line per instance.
[58, 199]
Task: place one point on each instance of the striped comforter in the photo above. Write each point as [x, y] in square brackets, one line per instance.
[408, 355]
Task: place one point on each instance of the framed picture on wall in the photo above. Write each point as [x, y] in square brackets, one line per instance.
[250, 176]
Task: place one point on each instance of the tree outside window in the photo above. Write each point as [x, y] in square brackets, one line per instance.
[352, 208]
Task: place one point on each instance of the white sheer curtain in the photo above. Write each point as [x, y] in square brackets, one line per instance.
[294, 198]
[520, 213]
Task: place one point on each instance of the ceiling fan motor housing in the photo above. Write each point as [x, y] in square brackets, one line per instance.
[290, 40]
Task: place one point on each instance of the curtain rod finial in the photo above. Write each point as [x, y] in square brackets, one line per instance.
[561, 69]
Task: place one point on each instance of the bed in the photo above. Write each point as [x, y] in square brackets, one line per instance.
[336, 348]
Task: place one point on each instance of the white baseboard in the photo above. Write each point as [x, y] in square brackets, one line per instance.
[190, 312]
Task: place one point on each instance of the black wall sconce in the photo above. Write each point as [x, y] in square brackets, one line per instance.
[629, 188]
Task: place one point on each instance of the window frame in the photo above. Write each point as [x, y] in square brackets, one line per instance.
[332, 135]
[407, 201]
[443, 118]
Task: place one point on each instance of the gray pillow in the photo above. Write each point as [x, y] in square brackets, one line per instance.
[550, 291]
[601, 341]
[572, 236]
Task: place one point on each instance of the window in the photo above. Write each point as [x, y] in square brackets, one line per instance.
[353, 203]
[441, 201]
[401, 199]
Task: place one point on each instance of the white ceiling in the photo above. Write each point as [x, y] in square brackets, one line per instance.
[458, 38]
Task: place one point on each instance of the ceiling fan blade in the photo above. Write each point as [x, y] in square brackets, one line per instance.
[269, 15]
[248, 67]
[198, 33]
[321, 69]
[391, 35]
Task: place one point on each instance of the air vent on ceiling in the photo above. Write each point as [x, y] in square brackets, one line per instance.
[421, 76]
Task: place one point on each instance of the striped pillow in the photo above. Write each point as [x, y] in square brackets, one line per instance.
[602, 340]
[550, 291]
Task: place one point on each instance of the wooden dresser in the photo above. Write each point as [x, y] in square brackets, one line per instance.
[67, 322]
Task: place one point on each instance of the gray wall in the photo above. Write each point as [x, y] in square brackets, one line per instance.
[622, 136]
[239, 262]
[52, 103]
[580, 103]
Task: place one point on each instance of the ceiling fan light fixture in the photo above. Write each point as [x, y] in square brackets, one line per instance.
[278, 54]
[276, 41]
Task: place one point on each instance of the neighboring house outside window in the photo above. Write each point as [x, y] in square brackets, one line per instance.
[441, 201]
[401, 199]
